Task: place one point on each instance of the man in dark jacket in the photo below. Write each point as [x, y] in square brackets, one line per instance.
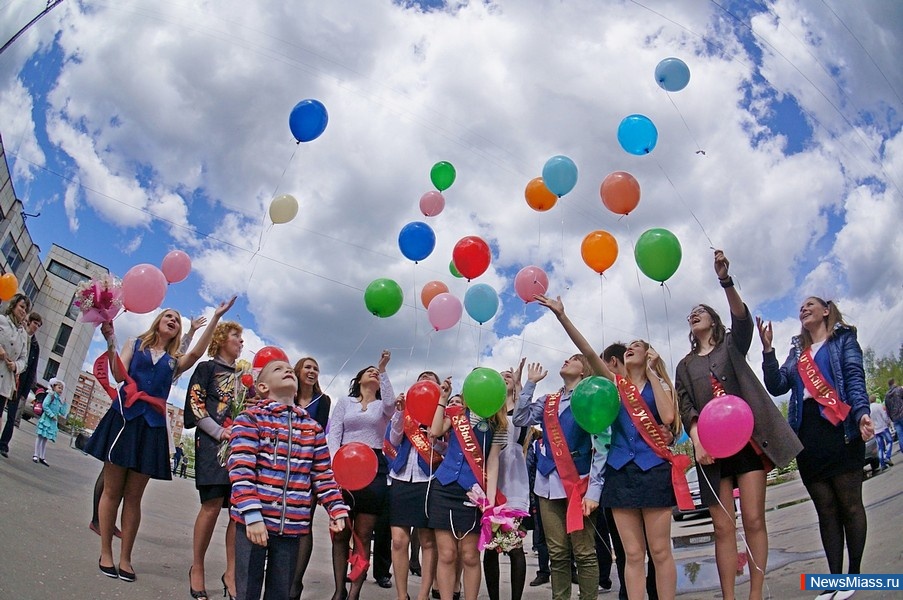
[26, 379]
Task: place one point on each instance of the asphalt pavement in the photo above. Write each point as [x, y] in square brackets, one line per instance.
[49, 552]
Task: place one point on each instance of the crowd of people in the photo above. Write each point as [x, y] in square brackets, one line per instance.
[587, 497]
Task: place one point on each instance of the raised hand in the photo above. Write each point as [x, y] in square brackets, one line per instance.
[536, 373]
[766, 333]
[224, 307]
[721, 265]
[384, 359]
[556, 305]
[197, 323]
[651, 357]
[106, 329]
[399, 402]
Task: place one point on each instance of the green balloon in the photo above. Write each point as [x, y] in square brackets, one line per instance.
[454, 270]
[658, 254]
[484, 391]
[595, 404]
[442, 175]
[383, 297]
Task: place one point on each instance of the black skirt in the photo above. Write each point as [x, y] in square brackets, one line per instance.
[133, 444]
[372, 499]
[826, 453]
[746, 460]
[407, 504]
[451, 510]
[631, 487]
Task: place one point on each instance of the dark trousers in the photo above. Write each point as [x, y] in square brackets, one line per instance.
[603, 548]
[382, 546]
[12, 406]
[273, 564]
[539, 543]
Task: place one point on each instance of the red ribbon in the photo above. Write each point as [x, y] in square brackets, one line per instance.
[130, 388]
[467, 439]
[574, 486]
[421, 442]
[835, 410]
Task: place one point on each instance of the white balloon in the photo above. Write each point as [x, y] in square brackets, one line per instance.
[283, 209]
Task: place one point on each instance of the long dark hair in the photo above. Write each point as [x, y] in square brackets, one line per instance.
[355, 389]
[718, 328]
[833, 319]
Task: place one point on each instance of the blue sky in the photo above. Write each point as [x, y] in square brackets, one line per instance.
[136, 129]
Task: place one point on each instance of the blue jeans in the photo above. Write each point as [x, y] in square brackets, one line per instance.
[898, 425]
[885, 446]
[274, 563]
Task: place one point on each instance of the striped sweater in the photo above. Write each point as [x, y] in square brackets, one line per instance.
[279, 461]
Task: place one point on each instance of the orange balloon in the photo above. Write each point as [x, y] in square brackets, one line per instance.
[8, 286]
[599, 250]
[538, 196]
[620, 192]
[430, 290]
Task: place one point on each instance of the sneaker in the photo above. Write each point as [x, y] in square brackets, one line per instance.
[34, 459]
[540, 579]
[890, 463]
[4, 453]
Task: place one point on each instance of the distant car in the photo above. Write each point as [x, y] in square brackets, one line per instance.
[699, 509]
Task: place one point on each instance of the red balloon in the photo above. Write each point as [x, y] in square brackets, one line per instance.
[247, 380]
[421, 401]
[354, 466]
[471, 256]
[266, 354]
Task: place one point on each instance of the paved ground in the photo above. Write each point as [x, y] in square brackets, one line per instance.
[48, 551]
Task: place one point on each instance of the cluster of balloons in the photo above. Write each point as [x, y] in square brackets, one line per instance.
[144, 285]
[484, 393]
[9, 285]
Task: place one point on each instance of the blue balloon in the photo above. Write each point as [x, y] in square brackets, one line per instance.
[637, 134]
[308, 120]
[416, 240]
[481, 302]
[672, 74]
[560, 175]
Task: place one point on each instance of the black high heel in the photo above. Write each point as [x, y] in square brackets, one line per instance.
[197, 594]
[226, 593]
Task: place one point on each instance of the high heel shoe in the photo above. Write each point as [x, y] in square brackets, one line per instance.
[226, 593]
[195, 593]
[415, 571]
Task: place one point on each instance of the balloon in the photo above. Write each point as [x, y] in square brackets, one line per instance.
[354, 466]
[658, 254]
[559, 175]
[454, 270]
[247, 380]
[444, 311]
[725, 425]
[432, 203]
[176, 266]
[484, 391]
[308, 120]
[143, 288]
[620, 192]
[530, 281]
[265, 355]
[421, 401]
[383, 297]
[538, 196]
[672, 74]
[283, 209]
[599, 250]
[430, 290]
[595, 404]
[8, 286]
[416, 240]
[442, 175]
[637, 135]
[471, 256]
[481, 302]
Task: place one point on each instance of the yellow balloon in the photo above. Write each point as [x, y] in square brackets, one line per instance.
[283, 209]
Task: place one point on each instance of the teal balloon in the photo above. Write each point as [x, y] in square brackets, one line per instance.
[637, 134]
[481, 302]
[672, 74]
[442, 175]
[595, 404]
[559, 175]
[658, 254]
[383, 297]
[484, 391]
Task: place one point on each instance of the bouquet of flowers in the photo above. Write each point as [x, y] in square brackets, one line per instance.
[99, 300]
[500, 526]
[243, 382]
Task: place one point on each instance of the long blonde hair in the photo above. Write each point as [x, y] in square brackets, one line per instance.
[152, 336]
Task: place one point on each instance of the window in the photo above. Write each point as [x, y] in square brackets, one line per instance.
[62, 338]
[64, 272]
[30, 288]
[73, 311]
[11, 253]
[51, 369]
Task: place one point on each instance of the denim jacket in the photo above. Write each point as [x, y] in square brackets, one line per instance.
[846, 368]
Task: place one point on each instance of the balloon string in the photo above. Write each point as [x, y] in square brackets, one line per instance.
[601, 306]
[414, 304]
[699, 150]
[279, 183]
[523, 334]
[636, 270]
[667, 323]
[676, 191]
[479, 345]
[353, 352]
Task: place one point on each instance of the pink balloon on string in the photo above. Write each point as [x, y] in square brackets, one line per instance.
[143, 288]
[444, 311]
[725, 425]
[432, 203]
[531, 281]
[176, 266]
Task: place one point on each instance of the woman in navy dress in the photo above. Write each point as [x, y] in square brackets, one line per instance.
[132, 438]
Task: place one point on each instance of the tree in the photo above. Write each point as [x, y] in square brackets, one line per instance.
[879, 369]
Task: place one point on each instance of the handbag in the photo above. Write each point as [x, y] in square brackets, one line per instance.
[38, 408]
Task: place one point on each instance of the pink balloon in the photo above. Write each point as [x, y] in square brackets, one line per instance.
[531, 281]
[176, 266]
[143, 288]
[725, 425]
[444, 311]
[432, 203]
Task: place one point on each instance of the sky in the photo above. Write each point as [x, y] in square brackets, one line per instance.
[141, 127]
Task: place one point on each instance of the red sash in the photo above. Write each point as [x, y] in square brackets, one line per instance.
[421, 442]
[467, 439]
[835, 410]
[718, 390]
[132, 393]
[645, 424]
[574, 486]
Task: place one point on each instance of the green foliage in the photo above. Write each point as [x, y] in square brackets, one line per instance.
[878, 369]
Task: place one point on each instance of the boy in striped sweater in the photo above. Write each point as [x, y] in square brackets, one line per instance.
[279, 461]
